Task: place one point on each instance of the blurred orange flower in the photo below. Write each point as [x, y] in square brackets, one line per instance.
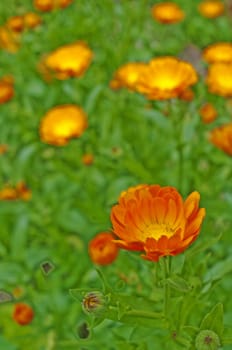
[208, 113]
[9, 40]
[127, 75]
[219, 52]
[15, 23]
[31, 20]
[88, 159]
[221, 137]
[62, 123]
[219, 79]
[211, 8]
[19, 192]
[67, 61]
[102, 249]
[23, 314]
[156, 220]
[3, 149]
[6, 89]
[166, 77]
[49, 5]
[167, 13]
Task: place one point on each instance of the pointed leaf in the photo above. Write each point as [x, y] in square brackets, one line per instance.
[214, 320]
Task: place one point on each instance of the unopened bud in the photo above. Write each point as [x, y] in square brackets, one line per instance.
[207, 340]
[94, 303]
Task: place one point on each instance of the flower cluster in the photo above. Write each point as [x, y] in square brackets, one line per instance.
[162, 78]
[49, 5]
[20, 191]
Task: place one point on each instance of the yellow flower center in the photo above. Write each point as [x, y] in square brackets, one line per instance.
[157, 230]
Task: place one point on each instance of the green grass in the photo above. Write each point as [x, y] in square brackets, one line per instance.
[71, 202]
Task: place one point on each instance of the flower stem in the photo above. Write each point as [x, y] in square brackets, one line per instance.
[166, 286]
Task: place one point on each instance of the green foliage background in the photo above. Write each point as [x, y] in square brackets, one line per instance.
[71, 202]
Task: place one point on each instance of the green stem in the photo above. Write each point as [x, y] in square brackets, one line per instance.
[166, 286]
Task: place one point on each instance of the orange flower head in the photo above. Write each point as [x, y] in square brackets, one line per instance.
[102, 249]
[31, 20]
[167, 13]
[221, 137]
[127, 75]
[44, 5]
[8, 193]
[9, 40]
[88, 159]
[68, 61]
[15, 24]
[211, 8]
[219, 52]
[19, 192]
[49, 5]
[219, 79]
[166, 77]
[156, 221]
[3, 149]
[6, 90]
[23, 191]
[23, 314]
[62, 123]
[208, 113]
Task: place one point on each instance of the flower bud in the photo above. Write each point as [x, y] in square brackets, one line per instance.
[207, 340]
[94, 303]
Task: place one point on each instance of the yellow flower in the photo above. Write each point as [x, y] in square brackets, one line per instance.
[208, 113]
[167, 13]
[67, 61]
[219, 79]
[62, 123]
[166, 77]
[211, 8]
[221, 137]
[156, 220]
[219, 52]
[127, 75]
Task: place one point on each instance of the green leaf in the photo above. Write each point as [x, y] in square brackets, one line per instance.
[202, 246]
[179, 284]
[218, 270]
[214, 320]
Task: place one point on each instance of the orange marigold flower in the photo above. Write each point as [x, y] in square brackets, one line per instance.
[102, 249]
[31, 20]
[19, 192]
[211, 8]
[219, 52]
[208, 113]
[23, 314]
[62, 123]
[9, 40]
[49, 5]
[15, 23]
[166, 77]
[6, 89]
[221, 137]
[219, 79]
[67, 61]
[167, 13]
[156, 220]
[88, 159]
[127, 75]
[3, 149]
